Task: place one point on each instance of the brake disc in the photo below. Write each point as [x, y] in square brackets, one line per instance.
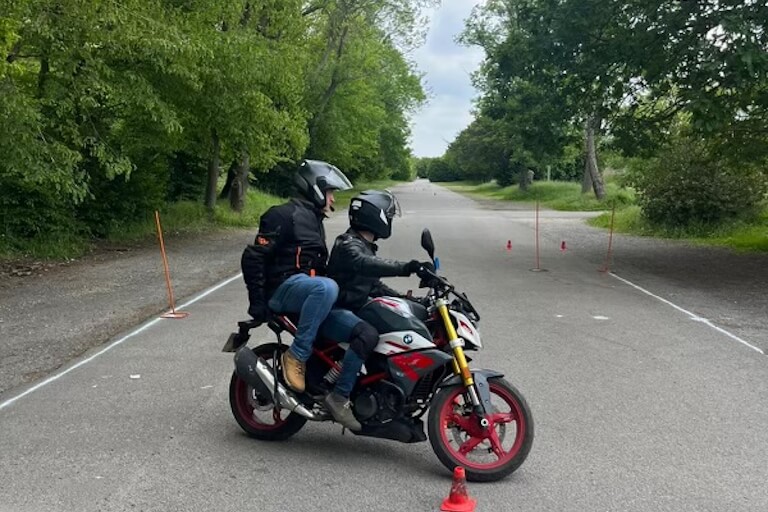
[460, 436]
[258, 403]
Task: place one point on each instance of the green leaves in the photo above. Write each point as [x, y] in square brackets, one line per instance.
[107, 106]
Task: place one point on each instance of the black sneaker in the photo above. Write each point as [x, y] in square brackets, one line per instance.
[341, 409]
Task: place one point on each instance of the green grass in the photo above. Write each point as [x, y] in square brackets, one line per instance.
[52, 247]
[558, 195]
[738, 234]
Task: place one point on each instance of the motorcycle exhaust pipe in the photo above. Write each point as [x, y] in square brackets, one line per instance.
[258, 374]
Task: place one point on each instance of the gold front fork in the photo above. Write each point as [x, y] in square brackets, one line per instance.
[460, 366]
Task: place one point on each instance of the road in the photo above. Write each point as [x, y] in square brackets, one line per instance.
[644, 398]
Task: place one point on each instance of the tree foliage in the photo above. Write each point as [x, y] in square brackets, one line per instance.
[631, 71]
[110, 109]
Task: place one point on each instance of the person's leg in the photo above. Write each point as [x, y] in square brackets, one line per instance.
[312, 298]
[363, 340]
[344, 326]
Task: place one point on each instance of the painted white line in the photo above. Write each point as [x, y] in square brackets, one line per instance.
[112, 345]
[693, 316]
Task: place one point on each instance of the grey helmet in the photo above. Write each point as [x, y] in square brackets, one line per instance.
[314, 177]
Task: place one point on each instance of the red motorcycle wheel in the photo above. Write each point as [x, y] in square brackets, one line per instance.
[256, 414]
[486, 454]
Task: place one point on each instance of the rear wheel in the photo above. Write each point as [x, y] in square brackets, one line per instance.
[486, 454]
[256, 414]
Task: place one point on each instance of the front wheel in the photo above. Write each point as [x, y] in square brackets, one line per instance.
[486, 454]
[256, 414]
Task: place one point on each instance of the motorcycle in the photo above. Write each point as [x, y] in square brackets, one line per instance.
[475, 418]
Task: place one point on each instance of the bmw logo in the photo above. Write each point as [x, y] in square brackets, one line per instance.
[408, 339]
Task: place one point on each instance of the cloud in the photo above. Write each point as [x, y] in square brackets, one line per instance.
[438, 124]
[447, 67]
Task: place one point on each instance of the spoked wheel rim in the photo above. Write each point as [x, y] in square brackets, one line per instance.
[477, 448]
[257, 411]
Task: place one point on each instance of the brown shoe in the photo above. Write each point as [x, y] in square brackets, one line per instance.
[293, 371]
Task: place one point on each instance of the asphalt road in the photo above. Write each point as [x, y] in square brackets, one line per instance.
[647, 388]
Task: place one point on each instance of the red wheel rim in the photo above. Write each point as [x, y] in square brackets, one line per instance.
[244, 402]
[475, 441]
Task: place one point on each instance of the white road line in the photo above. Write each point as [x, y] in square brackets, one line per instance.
[693, 316]
[112, 345]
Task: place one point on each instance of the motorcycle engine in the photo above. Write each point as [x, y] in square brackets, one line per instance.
[379, 404]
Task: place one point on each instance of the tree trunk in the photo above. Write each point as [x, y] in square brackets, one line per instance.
[240, 183]
[586, 175]
[231, 175]
[42, 76]
[213, 172]
[330, 90]
[522, 177]
[592, 176]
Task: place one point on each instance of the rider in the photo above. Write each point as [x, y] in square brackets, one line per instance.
[283, 269]
[356, 268]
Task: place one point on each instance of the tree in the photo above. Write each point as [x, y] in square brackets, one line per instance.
[360, 87]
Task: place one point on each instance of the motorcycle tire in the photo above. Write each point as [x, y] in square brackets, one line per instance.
[451, 420]
[252, 411]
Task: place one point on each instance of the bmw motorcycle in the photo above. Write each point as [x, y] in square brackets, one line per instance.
[474, 417]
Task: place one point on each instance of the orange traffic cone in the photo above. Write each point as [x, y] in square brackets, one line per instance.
[458, 500]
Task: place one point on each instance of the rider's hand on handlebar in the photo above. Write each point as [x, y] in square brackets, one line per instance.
[426, 270]
[412, 267]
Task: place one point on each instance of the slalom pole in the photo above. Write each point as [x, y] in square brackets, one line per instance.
[173, 313]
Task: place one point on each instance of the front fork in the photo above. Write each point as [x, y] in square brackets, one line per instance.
[460, 365]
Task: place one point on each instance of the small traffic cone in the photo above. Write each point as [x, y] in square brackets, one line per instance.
[458, 500]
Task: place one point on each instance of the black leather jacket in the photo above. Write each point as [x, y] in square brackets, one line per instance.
[356, 268]
[291, 239]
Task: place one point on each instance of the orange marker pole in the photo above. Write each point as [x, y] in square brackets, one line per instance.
[173, 313]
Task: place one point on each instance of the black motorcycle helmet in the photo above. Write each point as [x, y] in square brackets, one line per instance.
[314, 177]
[373, 210]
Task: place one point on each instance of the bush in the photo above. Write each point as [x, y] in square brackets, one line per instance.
[687, 184]
[30, 211]
[403, 173]
[440, 170]
[119, 201]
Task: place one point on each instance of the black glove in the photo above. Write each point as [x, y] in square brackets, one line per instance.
[425, 270]
[258, 312]
[412, 267]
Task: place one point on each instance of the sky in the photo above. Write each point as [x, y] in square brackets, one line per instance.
[446, 66]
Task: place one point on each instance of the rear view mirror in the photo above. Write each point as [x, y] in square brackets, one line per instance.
[427, 243]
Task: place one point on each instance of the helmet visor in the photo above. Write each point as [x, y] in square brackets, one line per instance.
[335, 180]
[394, 206]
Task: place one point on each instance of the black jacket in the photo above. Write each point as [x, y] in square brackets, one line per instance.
[291, 239]
[356, 268]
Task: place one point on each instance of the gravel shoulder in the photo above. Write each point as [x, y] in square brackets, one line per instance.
[53, 313]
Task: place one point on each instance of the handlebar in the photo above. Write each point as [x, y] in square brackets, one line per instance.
[443, 288]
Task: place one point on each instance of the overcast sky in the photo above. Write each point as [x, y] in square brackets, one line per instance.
[447, 66]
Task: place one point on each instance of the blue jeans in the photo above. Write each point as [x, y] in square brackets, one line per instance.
[312, 298]
[338, 327]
